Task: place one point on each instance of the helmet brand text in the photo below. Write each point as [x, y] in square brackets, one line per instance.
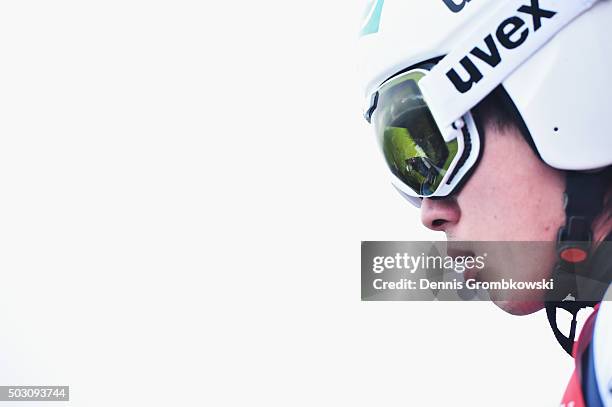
[511, 33]
[455, 7]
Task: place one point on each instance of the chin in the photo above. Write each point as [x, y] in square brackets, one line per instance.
[517, 307]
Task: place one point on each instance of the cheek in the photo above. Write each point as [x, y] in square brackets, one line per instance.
[512, 195]
[544, 206]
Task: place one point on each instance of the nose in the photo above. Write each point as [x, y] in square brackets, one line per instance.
[440, 214]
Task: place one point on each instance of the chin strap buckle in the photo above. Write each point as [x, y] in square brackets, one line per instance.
[574, 239]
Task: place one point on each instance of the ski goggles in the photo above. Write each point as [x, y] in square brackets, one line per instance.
[425, 160]
[429, 151]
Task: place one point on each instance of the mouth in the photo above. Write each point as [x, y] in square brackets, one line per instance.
[454, 250]
[470, 274]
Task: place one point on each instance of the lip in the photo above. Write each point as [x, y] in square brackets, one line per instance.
[470, 274]
[454, 251]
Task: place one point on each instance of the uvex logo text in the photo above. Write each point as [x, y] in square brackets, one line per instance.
[454, 6]
[511, 34]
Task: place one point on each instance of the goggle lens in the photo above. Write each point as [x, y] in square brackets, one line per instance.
[414, 149]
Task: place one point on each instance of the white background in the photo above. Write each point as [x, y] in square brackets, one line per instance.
[183, 191]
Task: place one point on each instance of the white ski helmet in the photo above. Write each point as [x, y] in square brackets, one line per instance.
[426, 64]
[552, 57]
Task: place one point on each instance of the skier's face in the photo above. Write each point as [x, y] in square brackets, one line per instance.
[511, 196]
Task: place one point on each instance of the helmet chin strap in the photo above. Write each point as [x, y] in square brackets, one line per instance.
[584, 195]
